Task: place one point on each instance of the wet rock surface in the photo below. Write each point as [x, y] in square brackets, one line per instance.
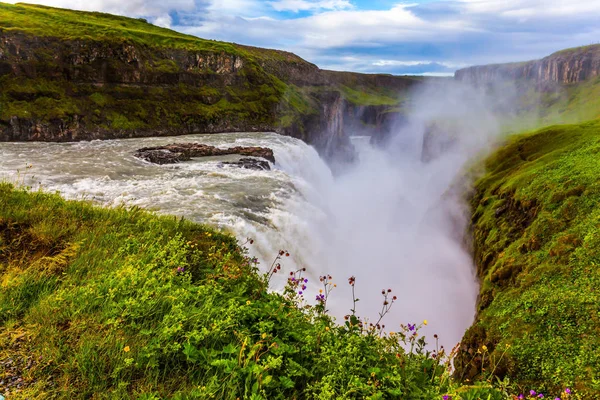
[178, 152]
[249, 163]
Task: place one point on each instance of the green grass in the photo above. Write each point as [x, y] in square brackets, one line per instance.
[123, 304]
[537, 247]
[369, 97]
[71, 25]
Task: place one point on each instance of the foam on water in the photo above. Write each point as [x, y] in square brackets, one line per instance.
[370, 222]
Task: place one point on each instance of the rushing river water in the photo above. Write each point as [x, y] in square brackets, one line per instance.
[381, 221]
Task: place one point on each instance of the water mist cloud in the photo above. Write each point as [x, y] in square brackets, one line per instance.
[393, 220]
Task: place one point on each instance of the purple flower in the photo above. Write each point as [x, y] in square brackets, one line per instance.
[541, 396]
[300, 292]
[305, 280]
[521, 397]
[558, 398]
[568, 391]
[303, 287]
[180, 270]
[446, 397]
[532, 393]
[411, 327]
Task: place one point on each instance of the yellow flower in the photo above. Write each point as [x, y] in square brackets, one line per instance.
[484, 347]
[327, 328]
[264, 335]
[335, 285]
[126, 349]
[425, 322]
[248, 303]
[321, 291]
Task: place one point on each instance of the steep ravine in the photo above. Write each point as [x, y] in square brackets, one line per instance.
[534, 224]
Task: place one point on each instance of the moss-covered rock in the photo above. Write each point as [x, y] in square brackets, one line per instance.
[537, 248]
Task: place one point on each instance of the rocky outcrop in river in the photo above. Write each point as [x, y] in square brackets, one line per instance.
[178, 152]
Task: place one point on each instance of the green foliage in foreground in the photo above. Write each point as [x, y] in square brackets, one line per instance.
[537, 242]
[120, 304]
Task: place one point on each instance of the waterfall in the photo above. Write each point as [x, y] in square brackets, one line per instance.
[390, 219]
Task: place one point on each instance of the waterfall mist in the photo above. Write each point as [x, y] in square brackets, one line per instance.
[393, 221]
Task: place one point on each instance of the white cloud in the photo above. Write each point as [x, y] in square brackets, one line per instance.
[335, 34]
[520, 9]
[310, 5]
[134, 8]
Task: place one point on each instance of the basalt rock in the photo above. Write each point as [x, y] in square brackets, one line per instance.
[249, 163]
[564, 67]
[177, 152]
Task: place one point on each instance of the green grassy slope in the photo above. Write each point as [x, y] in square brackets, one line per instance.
[537, 246]
[42, 21]
[122, 304]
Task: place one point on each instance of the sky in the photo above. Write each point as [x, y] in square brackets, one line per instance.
[429, 37]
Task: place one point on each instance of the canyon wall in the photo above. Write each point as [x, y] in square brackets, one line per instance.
[564, 67]
[58, 88]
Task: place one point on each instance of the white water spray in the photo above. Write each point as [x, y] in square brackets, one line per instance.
[390, 220]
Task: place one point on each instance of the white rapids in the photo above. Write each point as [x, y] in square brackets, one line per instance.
[379, 221]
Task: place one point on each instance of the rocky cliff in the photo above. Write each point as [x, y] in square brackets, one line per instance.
[68, 75]
[565, 67]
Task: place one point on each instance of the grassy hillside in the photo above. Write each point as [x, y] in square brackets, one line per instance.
[42, 21]
[537, 246]
[122, 304]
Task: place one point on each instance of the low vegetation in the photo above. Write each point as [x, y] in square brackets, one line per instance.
[535, 227]
[123, 304]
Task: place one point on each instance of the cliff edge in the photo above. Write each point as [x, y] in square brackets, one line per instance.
[69, 75]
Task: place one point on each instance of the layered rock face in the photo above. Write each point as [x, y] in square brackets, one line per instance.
[58, 89]
[564, 67]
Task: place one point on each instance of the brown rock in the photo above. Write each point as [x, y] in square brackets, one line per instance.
[177, 152]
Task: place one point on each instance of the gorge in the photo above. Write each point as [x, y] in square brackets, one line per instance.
[407, 183]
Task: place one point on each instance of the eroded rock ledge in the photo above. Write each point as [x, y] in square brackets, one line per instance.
[178, 152]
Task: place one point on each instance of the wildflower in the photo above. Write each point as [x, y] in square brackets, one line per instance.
[248, 302]
[558, 398]
[521, 397]
[264, 335]
[541, 396]
[327, 328]
[568, 391]
[305, 280]
[321, 291]
[484, 347]
[446, 397]
[532, 393]
[126, 349]
[425, 322]
[300, 293]
[180, 270]
[303, 287]
[411, 327]
[334, 285]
